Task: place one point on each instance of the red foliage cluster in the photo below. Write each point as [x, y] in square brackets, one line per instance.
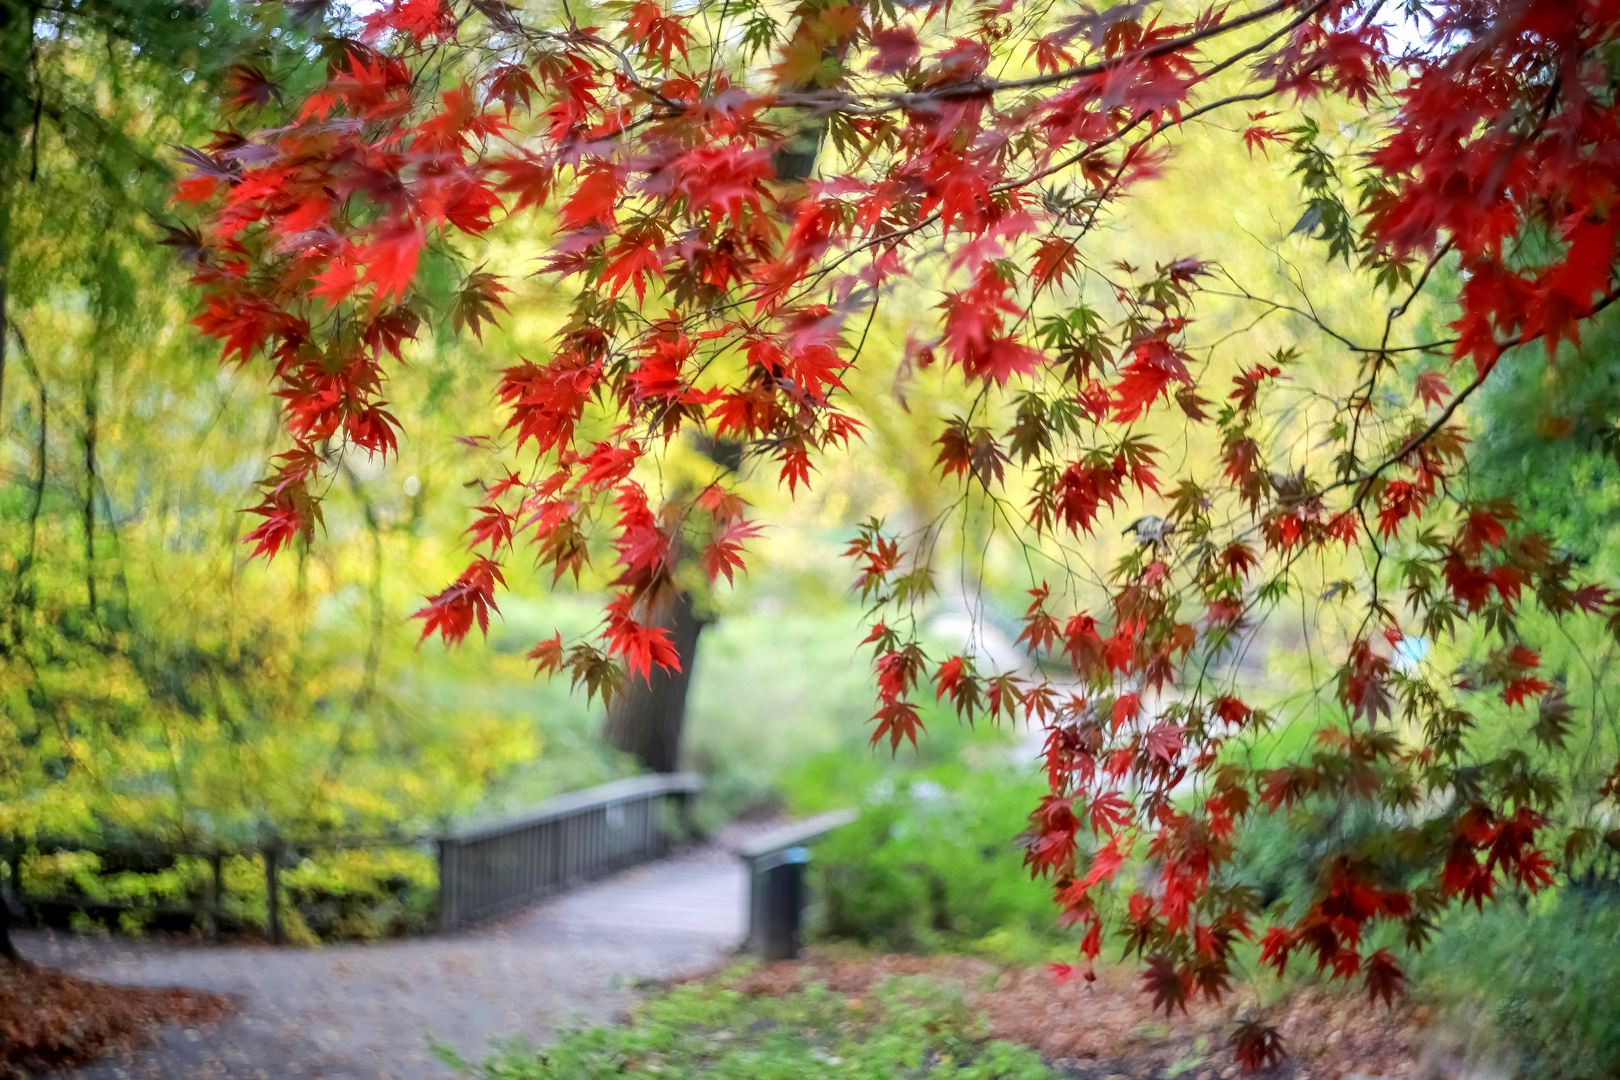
[724, 293]
[50, 1020]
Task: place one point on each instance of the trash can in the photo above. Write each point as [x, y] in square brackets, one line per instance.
[778, 892]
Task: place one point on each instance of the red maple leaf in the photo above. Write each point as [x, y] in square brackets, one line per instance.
[1167, 985]
[452, 612]
[1432, 387]
[1256, 1047]
[1383, 976]
[897, 721]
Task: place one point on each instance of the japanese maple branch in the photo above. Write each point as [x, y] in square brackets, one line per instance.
[1364, 481]
[949, 91]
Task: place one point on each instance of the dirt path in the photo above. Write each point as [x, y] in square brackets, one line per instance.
[363, 1012]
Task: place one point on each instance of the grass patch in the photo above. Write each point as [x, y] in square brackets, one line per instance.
[910, 1027]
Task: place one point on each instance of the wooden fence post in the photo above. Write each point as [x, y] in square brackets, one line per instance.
[272, 889]
[686, 806]
[447, 883]
[216, 893]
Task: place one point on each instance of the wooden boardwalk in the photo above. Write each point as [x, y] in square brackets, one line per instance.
[364, 1012]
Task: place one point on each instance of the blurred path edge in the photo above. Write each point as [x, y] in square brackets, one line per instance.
[363, 1012]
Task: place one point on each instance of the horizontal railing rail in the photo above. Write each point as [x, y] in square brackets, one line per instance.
[488, 870]
[794, 834]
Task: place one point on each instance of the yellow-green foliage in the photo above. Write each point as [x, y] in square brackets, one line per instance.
[156, 683]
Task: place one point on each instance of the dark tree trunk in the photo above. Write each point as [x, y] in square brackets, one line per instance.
[646, 717]
[8, 950]
[16, 46]
[795, 159]
[17, 113]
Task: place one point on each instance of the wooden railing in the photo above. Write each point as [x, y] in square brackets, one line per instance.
[484, 871]
[489, 870]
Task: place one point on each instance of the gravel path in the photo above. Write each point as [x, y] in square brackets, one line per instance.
[363, 1012]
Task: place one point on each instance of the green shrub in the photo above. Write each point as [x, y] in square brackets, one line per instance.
[934, 862]
[1537, 986]
[343, 895]
[365, 894]
[909, 1028]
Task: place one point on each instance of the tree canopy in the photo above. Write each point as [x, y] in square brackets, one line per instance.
[738, 192]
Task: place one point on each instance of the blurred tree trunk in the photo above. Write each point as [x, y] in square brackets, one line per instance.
[646, 718]
[17, 112]
[7, 949]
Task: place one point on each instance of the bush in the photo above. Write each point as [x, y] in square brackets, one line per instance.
[1536, 984]
[363, 895]
[934, 862]
[344, 895]
[908, 1028]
